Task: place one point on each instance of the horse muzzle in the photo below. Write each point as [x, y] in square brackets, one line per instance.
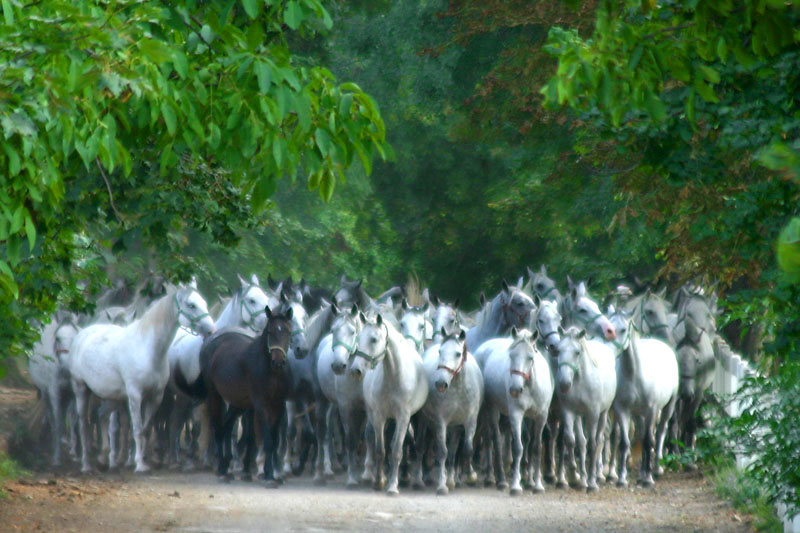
[357, 374]
[441, 386]
[515, 392]
[338, 368]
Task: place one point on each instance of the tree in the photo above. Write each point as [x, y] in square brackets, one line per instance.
[135, 121]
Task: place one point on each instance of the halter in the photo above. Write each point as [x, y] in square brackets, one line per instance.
[350, 349]
[548, 291]
[244, 306]
[514, 372]
[373, 360]
[585, 322]
[460, 366]
[646, 320]
[521, 317]
[571, 365]
[417, 343]
[193, 320]
[543, 339]
[270, 348]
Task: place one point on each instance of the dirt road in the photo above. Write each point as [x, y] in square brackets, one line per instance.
[171, 501]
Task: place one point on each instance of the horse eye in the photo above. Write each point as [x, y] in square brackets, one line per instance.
[582, 311]
[540, 286]
[421, 326]
[191, 305]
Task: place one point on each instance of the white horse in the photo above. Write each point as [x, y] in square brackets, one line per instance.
[510, 308]
[647, 389]
[47, 368]
[455, 396]
[344, 391]
[582, 311]
[395, 387]
[586, 385]
[246, 309]
[519, 385]
[413, 325]
[119, 363]
[445, 319]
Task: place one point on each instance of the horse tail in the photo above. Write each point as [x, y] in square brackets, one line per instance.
[195, 390]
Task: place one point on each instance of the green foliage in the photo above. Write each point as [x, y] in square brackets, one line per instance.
[123, 122]
[747, 496]
[9, 471]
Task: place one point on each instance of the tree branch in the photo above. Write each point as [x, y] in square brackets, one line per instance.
[108, 186]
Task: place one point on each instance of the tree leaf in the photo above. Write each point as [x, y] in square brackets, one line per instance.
[8, 12]
[263, 74]
[323, 140]
[181, 63]
[169, 117]
[13, 159]
[30, 230]
[251, 7]
[293, 15]
[326, 185]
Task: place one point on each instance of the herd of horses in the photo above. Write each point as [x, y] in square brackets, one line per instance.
[534, 386]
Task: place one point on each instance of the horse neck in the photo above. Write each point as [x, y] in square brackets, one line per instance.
[228, 316]
[630, 355]
[393, 360]
[493, 322]
[159, 324]
[317, 327]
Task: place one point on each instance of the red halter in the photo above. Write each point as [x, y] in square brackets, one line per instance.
[460, 365]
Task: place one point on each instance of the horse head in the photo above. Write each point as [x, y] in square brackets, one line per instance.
[452, 356]
[517, 306]
[252, 302]
[192, 310]
[570, 351]
[651, 313]
[587, 314]
[542, 285]
[65, 333]
[373, 342]
[276, 335]
[546, 322]
[344, 340]
[299, 342]
[521, 353]
[412, 324]
[621, 320]
[445, 320]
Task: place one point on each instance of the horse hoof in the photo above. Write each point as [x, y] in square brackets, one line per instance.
[621, 483]
[352, 485]
[142, 469]
[392, 492]
[271, 483]
[592, 488]
[489, 483]
[442, 491]
[246, 477]
[502, 485]
[516, 491]
[329, 475]
[472, 479]
[562, 485]
[550, 479]
[225, 478]
[319, 481]
[646, 483]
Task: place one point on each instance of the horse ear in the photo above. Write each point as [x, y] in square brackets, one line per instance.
[283, 298]
[379, 321]
[529, 271]
[581, 289]
[193, 282]
[581, 334]
[241, 280]
[444, 333]
[354, 310]
[343, 279]
[519, 283]
[404, 305]
[268, 311]
[514, 332]
[271, 282]
[462, 337]
[254, 280]
[505, 287]
[362, 316]
[455, 304]
[570, 283]
[425, 307]
[536, 300]
[289, 313]
[662, 293]
[561, 331]
[334, 309]
[435, 300]
[358, 283]
[482, 299]
[535, 335]
[543, 270]
[610, 310]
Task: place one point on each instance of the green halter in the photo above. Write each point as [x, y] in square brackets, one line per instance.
[193, 320]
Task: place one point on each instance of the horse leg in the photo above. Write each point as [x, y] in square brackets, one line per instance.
[330, 417]
[623, 423]
[596, 433]
[568, 458]
[219, 434]
[57, 422]
[135, 410]
[288, 431]
[440, 434]
[579, 481]
[645, 470]
[250, 443]
[270, 425]
[323, 452]
[379, 453]
[515, 421]
[613, 445]
[536, 455]
[661, 431]
[81, 392]
[399, 437]
[470, 427]
[497, 445]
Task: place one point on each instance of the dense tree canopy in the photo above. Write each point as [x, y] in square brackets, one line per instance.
[130, 122]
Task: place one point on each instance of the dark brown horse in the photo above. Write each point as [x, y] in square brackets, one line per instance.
[253, 377]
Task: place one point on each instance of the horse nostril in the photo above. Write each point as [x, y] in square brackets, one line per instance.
[338, 368]
[611, 334]
[515, 391]
[564, 386]
[441, 386]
